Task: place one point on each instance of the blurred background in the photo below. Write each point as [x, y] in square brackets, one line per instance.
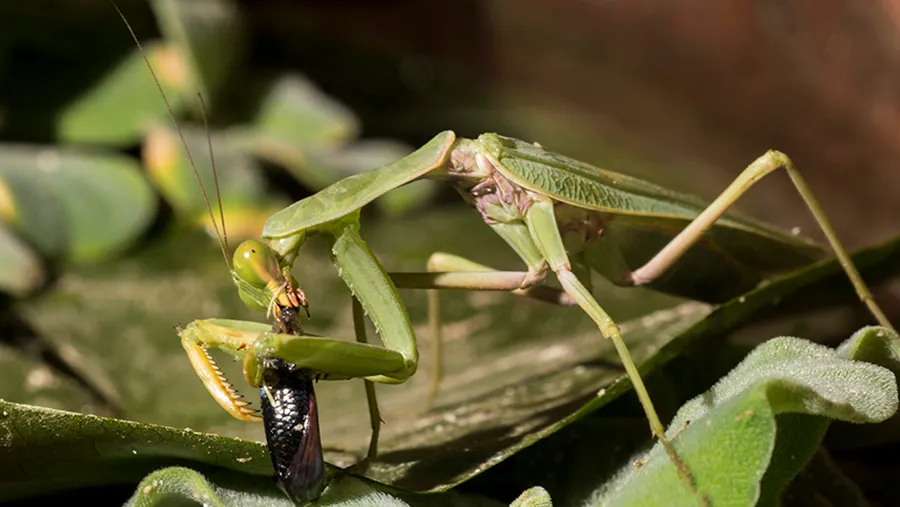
[103, 252]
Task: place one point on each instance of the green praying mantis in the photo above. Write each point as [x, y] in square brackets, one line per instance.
[559, 215]
[562, 217]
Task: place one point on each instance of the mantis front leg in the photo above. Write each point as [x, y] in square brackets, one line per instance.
[325, 358]
[338, 359]
[231, 336]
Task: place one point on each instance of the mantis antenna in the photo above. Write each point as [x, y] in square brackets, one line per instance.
[223, 240]
[222, 237]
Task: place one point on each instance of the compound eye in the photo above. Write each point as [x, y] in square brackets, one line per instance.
[255, 263]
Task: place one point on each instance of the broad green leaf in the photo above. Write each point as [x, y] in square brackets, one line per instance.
[107, 201]
[240, 181]
[172, 171]
[208, 33]
[296, 113]
[88, 451]
[81, 205]
[118, 109]
[172, 485]
[733, 425]
[310, 137]
[30, 206]
[848, 436]
[91, 451]
[181, 484]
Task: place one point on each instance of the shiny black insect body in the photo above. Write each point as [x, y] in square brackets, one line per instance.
[291, 421]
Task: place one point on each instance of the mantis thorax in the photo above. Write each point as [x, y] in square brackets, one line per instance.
[476, 177]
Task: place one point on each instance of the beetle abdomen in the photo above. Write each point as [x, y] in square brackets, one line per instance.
[291, 420]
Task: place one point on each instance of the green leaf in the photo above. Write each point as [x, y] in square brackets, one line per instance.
[170, 485]
[88, 451]
[296, 113]
[209, 35]
[308, 134]
[118, 109]
[239, 177]
[120, 208]
[843, 437]
[733, 425]
[30, 206]
[83, 206]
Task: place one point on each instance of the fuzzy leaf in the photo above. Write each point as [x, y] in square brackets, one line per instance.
[733, 425]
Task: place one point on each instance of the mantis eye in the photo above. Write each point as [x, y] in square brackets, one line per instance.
[255, 263]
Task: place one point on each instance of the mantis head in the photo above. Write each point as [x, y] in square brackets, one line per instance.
[263, 283]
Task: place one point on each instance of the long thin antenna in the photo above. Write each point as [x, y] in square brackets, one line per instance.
[212, 160]
[222, 242]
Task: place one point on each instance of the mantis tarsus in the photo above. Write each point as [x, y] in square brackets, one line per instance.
[559, 215]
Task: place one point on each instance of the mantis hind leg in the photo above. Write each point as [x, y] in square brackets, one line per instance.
[451, 272]
[760, 168]
[545, 233]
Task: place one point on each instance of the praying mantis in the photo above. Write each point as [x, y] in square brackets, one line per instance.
[562, 217]
[559, 215]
